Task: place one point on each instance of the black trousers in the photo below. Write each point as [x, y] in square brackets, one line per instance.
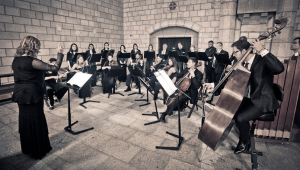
[128, 80]
[246, 112]
[209, 75]
[50, 93]
[174, 105]
[180, 66]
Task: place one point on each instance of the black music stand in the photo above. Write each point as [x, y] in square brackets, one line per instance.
[202, 56]
[123, 55]
[149, 55]
[80, 79]
[192, 54]
[95, 58]
[147, 100]
[69, 127]
[114, 72]
[153, 114]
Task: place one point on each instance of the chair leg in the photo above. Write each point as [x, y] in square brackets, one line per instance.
[253, 150]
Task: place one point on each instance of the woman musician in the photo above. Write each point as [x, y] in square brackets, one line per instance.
[131, 64]
[53, 86]
[122, 78]
[80, 66]
[171, 70]
[150, 62]
[108, 82]
[71, 54]
[92, 65]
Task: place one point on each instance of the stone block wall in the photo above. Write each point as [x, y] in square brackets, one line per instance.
[144, 17]
[52, 21]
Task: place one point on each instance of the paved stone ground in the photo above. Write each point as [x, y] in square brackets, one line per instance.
[121, 141]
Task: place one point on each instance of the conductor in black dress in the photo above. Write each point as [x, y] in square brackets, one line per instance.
[29, 93]
[259, 96]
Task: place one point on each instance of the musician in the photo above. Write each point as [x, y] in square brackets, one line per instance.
[92, 65]
[217, 68]
[150, 62]
[196, 78]
[52, 86]
[171, 70]
[106, 48]
[192, 48]
[71, 54]
[131, 64]
[232, 58]
[108, 82]
[159, 63]
[295, 46]
[122, 50]
[181, 51]
[164, 51]
[80, 66]
[135, 49]
[259, 96]
[210, 51]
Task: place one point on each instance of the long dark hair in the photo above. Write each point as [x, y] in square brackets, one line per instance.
[136, 46]
[29, 46]
[149, 46]
[174, 63]
[104, 45]
[71, 50]
[93, 50]
[124, 47]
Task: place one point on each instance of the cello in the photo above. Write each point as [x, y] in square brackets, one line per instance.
[220, 120]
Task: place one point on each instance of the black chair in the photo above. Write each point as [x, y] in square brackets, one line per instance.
[268, 117]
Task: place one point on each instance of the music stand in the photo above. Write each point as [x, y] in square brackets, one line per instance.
[192, 54]
[95, 58]
[80, 79]
[69, 127]
[147, 87]
[202, 56]
[114, 72]
[149, 55]
[124, 55]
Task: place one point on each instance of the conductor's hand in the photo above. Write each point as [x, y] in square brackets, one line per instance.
[257, 45]
[60, 47]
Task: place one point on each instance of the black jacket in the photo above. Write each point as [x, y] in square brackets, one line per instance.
[261, 82]
[167, 52]
[219, 67]
[210, 53]
[196, 83]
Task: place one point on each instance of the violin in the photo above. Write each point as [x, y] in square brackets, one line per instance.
[113, 63]
[183, 85]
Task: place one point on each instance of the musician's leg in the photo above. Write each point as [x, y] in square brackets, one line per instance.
[156, 90]
[246, 113]
[50, 93]
[137, 82]
[128, 80]
[174, 105]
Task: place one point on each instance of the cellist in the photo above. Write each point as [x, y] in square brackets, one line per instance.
[259, 96]
[196, 78]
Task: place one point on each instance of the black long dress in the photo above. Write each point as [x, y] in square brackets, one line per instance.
[29, 92]
[108, 82]
[92, 68]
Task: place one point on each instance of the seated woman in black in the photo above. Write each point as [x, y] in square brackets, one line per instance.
[71, 54]
[108, 82]
[85, 90]
[171, 70]
[137, 63]
[52, 86]
[196, 77]
[92, 65]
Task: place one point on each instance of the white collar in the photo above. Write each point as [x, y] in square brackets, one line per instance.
[251, 60]
[296, 54]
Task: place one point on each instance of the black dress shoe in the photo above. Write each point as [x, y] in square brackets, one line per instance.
[128, 89]
[242, 147]
[163, 118]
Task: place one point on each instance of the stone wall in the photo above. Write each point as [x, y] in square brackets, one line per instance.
[143, 18]
[52, 21]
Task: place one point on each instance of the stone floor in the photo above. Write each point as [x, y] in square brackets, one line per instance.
[120, 140]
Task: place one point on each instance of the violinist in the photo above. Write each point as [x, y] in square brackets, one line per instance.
[71, 54]
[259, 96]
[159, 63]
[108, 82]
[196, 78]
[171, 70]
[92, 65]
[85, 91]
[137, 63]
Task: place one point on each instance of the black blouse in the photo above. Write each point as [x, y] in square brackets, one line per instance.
[29, 78]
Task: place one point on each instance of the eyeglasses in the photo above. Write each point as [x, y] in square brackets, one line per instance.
[235, 52]
[294, 42]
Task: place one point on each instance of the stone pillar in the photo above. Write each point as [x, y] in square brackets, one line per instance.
[282, 42]
[227, 23]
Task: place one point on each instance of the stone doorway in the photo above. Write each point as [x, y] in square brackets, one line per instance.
[173, 42]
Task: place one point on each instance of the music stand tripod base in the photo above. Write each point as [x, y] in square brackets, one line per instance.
[86, 101]
[153, 114]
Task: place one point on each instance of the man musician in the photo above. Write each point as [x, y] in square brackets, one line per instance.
[196, 78]
[210, 51]
[259, 96]
[295, 46]
[164, 51]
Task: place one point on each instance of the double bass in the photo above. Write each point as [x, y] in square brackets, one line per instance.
[220, 120]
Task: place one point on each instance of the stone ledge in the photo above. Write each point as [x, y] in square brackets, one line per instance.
[181, 23]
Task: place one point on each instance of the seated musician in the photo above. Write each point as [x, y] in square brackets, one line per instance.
[295, 46]
[108, 82]
[80, 66]
[171, 70]
[93, 68]
[131, 64]
[52, 86]
[196, 78]
[71, 54]
[259, 96]
[159, 63]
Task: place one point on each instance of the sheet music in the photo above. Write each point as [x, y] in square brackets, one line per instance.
[165, 82]
[79, 79]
